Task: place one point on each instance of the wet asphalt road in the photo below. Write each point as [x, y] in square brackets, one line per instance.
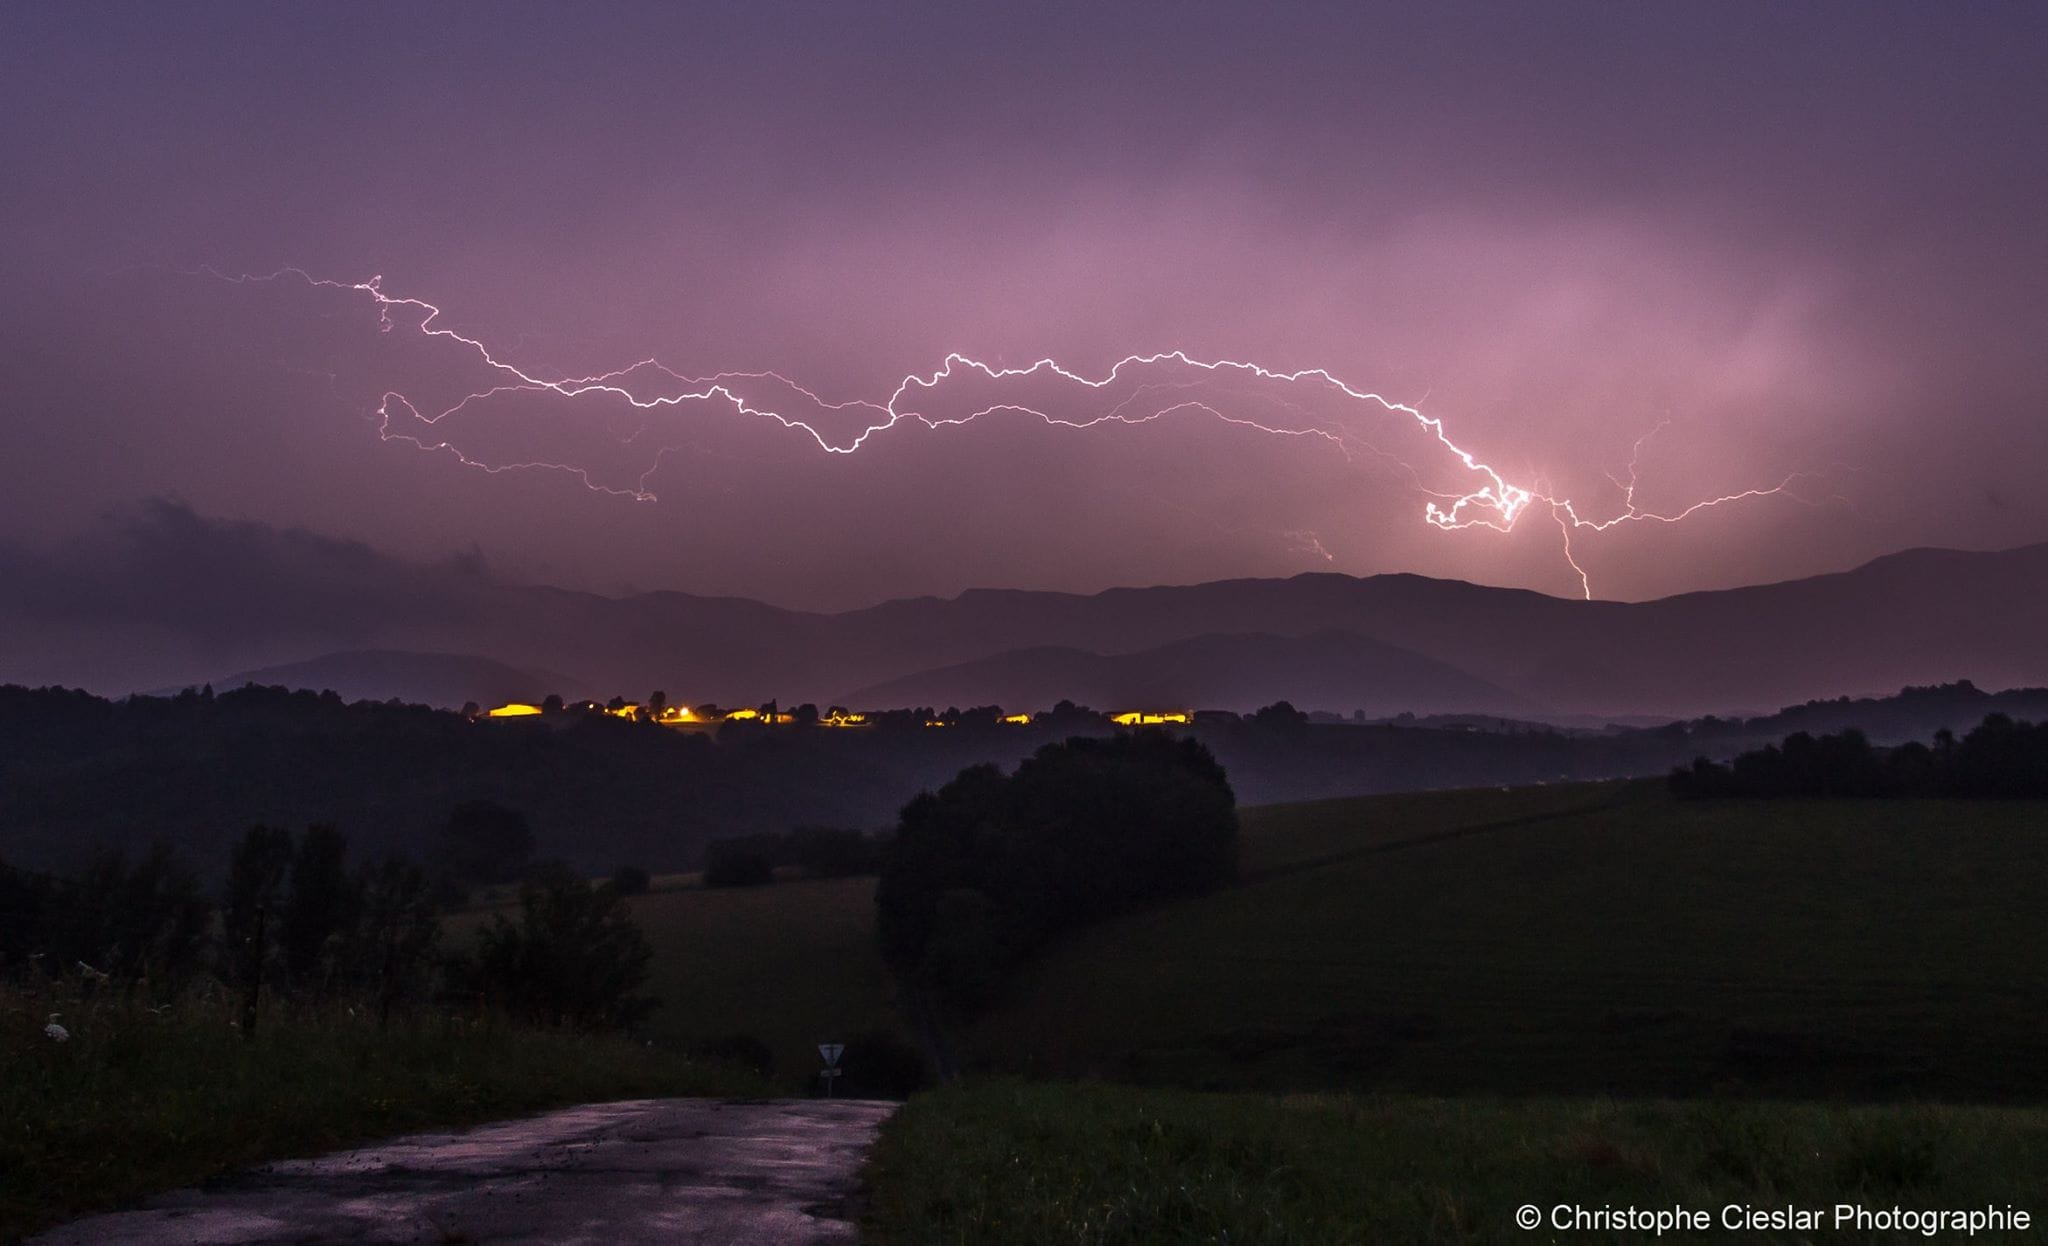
[660, 1170]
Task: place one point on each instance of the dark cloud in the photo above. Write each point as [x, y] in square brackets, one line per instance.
[208, 594]
[1798, 240]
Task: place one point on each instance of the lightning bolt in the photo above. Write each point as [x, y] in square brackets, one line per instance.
[1497, 503]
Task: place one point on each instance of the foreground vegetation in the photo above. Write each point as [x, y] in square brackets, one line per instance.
[139, 1099]
[1005, 1162]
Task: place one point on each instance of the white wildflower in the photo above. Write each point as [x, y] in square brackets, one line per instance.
[57, 1033]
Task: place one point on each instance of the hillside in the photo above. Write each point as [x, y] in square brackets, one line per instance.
[275, 596]
[1591, 939]
[1239, 673]
[443, 680]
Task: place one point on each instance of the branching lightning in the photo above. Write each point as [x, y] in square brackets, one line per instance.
[648, 385]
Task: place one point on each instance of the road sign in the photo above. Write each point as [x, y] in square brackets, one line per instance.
[831, 1053]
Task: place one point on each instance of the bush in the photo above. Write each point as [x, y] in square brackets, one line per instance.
[142, 921]
[574, 959]
[631, 880]
[735, 863]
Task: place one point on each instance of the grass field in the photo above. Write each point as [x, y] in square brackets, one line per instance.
[138, 1100]
[1600, 939]
[792, 964]
[1005, 1162]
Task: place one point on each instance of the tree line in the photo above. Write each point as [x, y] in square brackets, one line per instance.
[296, 922]
[1998, 758]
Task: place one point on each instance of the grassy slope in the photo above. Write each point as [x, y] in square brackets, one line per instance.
[139, 1101]
[793, 964]
[1487, 940]
[1007, 1163]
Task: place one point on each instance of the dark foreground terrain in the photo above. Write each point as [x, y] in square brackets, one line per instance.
[733, 1173]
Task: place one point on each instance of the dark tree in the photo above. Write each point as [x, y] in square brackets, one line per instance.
[944, 840]
[1999, 758]
[391, 948]
[574, 958]
[320, 913]
[631, 880]
[989, 868]
[252, 900]
[1280, 715]
[148, 920]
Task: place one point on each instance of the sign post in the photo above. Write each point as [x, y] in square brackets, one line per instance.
[830, 1053]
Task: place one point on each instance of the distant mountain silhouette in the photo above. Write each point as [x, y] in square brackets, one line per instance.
[1328, 669]
[445, 680]
[176, 595]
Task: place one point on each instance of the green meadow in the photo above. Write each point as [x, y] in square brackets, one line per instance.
[792, 965]
[1590, 939]
[1418, 1013]
[1001, 1162]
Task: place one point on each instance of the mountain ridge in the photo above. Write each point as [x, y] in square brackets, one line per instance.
[175, 598]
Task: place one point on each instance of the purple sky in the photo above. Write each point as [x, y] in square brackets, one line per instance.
[1797, 242]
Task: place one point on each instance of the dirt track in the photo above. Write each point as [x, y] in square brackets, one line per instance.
[660, 1170]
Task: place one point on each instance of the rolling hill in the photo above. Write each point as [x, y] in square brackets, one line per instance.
[1241, 673]
[272, 596]
[445, 680]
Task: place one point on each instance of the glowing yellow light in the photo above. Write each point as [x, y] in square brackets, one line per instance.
[844, 720]
[514, 710]
[1146, 718]
[742, 715]
[1020, 720]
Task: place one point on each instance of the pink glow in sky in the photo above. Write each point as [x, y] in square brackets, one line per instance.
[1799, 246]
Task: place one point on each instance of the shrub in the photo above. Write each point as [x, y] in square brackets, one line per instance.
[575, 958]
[145, 921]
